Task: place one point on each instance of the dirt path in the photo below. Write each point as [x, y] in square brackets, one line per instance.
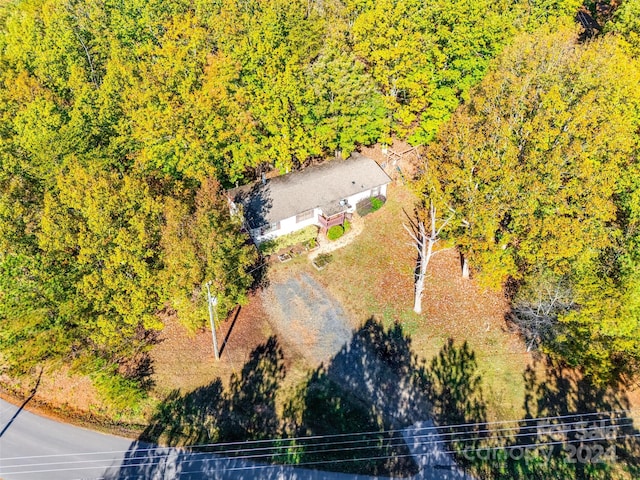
[307, 317]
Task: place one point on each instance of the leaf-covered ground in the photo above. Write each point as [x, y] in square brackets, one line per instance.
[371, 277]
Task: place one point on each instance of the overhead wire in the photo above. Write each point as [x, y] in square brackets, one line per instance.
[389, 444]
[435, 428]
[222, 452]
[323, 462]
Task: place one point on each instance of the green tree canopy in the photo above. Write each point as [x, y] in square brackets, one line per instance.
[202, 242]
[120, 122]
[626, 23]
[536, 167]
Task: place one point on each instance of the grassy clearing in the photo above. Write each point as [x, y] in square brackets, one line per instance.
[372, 276]
[198, 399]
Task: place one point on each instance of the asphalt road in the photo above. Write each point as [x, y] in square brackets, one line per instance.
[34, 448]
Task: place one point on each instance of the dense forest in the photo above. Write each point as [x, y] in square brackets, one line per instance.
[122, 121]
[541, 168]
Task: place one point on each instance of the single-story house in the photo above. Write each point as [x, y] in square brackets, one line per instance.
[320, 195]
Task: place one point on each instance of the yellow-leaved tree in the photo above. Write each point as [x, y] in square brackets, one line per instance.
[534, 167]
[202, 242]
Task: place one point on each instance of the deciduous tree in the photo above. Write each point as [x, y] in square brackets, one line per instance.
[202, 242]
[536, 166]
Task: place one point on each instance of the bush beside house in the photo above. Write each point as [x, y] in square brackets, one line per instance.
[368, 205]
[306, 235]
[337, 231]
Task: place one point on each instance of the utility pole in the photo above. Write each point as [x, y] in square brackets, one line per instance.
[212, 302]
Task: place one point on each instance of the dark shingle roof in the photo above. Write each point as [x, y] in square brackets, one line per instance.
[321, 185]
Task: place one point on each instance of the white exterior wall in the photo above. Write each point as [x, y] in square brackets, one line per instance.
[354, 199]
[288, 225]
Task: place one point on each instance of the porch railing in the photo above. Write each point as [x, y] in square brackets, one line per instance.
[329, 222]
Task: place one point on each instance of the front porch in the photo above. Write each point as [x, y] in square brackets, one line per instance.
[326, 246]
[326, 222]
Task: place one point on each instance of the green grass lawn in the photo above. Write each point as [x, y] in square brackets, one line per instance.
[373, 276]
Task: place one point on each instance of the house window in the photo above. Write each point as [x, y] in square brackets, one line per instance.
[301, 217]
[375, 191]
[271, 227]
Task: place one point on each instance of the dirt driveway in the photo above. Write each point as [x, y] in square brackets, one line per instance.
[307, 317]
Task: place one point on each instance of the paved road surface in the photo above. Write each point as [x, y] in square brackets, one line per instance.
[34, 448]
[57, 448]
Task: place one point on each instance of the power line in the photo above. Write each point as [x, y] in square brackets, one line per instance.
[378, 432]
[433, 428]
[404, 432]
[506, 447]
[509, 447]
[392, 443]
[324, 462]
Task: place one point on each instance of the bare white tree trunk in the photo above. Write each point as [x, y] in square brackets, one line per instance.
[424, 256]
[424, 243]
[465, 266]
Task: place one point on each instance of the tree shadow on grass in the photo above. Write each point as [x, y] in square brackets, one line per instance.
[350, 415]
[572, 430]
[454, 389]
[379, 367]
[376, 384]
[190, 419]
[369, 386]
[210, 414]
[251, 404]
[206, 416]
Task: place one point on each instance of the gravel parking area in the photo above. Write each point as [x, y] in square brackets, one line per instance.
[307, 317]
